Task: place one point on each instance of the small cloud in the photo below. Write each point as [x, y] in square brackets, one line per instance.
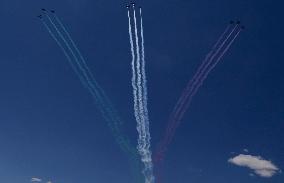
[246, 150]
[34, 179]
[260, 166]
[251, 174]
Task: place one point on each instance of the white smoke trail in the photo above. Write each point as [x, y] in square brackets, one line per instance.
[136, 107]
[137, 102]
[141, 125]
[144, 82]
[149, 165]
[143, 122]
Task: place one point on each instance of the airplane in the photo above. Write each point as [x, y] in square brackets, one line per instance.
[52, 11]
[133, 4]
[232, 22]
[238, 22]
[127, 6]
[39, 16]
[243, 27]
[43, 9]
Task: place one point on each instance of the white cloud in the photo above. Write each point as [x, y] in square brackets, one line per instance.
[260, 166]
[246, 150]
[251, 174]
[34, 179]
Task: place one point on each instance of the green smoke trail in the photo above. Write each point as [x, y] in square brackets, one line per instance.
[105, 101]
[86, 77]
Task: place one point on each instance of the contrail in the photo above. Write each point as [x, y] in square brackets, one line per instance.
[82, 59]
[196, 79]
[200, 82]
[202, 65]
[191, 85]
[84, 65]
[86, 77]
[194, 91]
[81, 72]
[141, 123]
[144, 81]
[65, 53]
[205, 75]
[86, 73]
[212, 67]
[194, 84]
[179, 105]
[136, 107]
[210, 56]
[145, 101]
[90, 84]
[139, 84]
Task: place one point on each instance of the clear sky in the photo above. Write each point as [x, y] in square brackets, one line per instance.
[51, 129]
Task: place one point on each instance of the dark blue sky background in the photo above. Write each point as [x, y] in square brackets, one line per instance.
[50, 127]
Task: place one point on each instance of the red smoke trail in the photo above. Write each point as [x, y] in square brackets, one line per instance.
[207, 73]
[189, 92]
[196, 79]
[182, 99]
[200, 68]
[192, 82]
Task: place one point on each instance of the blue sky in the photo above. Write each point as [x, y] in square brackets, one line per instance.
[50, 127]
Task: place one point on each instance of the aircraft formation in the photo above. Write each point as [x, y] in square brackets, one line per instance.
[152, 169]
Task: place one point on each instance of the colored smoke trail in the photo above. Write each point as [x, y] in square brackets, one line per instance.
[180, 101]
[64, 52]
[208, 64]
[139, 84]
[74, 45]
[206, 73]
[81, 69]
[178, 114]
[83, 64]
